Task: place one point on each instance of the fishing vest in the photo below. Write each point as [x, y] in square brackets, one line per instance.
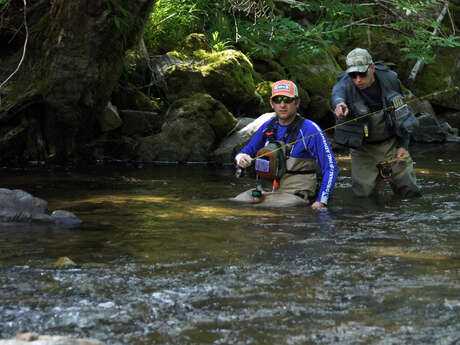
[396, 117]
[272, 162]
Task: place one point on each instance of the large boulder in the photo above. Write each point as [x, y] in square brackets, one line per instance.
[429, 130]
[228, 76]
[236, 141]
[109, 119]
[441, 76]
[19, 206]
[193, 127]
[140, 123]
[317, 75]
[453, 118]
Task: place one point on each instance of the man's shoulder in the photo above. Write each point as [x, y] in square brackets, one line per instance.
[344, 80]
[382, 69]
[308, 124]
[380, 66]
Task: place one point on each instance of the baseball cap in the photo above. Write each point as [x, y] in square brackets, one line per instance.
[285, 88]
[358, 60]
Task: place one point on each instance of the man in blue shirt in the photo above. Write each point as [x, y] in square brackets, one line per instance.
[304, 150]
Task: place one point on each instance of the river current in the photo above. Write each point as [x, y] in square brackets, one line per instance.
[163, 257]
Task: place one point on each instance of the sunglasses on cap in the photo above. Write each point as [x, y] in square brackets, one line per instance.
[285, 99]
[354, 75]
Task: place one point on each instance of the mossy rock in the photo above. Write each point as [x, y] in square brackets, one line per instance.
[274, 76]
[264, 89]
[228, 76]
[316, 74]
[194, 42]
[266, 66]
[182, 140]
[440, 75]
[380, 43]
[128, 96]
[192, 130]
[204, 106]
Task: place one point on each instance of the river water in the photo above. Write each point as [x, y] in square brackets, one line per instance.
[164, 258]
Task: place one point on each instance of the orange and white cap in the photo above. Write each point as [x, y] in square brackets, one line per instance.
[285, 88]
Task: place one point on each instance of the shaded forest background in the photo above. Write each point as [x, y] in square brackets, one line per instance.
[91, 80]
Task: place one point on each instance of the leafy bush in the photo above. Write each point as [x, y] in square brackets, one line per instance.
[171, 21]
[220, 29]
[265, 27]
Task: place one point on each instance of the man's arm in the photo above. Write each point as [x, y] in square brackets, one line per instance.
[320, 148]
[339, 100]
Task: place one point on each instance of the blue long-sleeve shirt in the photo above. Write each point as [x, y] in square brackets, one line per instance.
[314, 145]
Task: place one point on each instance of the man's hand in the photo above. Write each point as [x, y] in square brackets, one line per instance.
[401, 155]
[243, 160]
[341, 110]
[318, 204]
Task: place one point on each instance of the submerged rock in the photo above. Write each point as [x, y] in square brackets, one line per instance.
[19, 206]
[429, 130]
[35, 339]
[64, 261]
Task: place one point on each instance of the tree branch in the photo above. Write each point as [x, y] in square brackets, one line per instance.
[23, 50]
[389, 10]
[387, 27]
[420, 62]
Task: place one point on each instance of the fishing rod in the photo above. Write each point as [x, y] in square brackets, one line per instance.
[436, 93]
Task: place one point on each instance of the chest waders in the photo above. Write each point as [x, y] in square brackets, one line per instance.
[271, 164]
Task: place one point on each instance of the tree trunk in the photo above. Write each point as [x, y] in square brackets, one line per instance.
[72, 62]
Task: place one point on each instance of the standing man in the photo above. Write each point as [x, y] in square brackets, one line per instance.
[383, 136]
[300, 146]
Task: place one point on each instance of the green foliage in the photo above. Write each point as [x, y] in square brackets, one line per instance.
[121, 18]
[171, 21]
[218, 44]
[276, 34]
[419, 23]
[219, 27]
[265, 30]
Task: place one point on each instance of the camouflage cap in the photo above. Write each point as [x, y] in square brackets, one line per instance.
[358, 60]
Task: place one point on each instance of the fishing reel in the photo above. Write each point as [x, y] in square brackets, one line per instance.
[385, 170]
[257, 192]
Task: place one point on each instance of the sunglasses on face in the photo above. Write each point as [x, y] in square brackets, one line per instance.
[354, 75]
[285, 99]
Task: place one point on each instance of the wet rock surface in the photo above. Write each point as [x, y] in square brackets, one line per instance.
[35, 339]
[19, 206]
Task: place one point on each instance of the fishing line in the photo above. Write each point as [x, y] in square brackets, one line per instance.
[437, 93]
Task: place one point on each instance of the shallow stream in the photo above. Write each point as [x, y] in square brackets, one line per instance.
[164, 258]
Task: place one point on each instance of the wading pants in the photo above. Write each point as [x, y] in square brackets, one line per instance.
[365, 174]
